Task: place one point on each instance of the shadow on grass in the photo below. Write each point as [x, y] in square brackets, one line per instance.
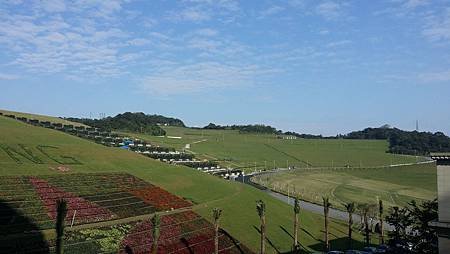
[18, 233]
[268, 240]
[338, 244]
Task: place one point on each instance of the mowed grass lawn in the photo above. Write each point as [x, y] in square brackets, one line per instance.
[238, 201]
[243, 150]
[395, 186]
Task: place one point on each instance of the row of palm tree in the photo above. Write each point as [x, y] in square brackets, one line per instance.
[351, 209]
[61, 207]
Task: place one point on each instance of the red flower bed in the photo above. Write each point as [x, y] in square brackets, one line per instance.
[183, 232]
[86, 211]
[160, 198]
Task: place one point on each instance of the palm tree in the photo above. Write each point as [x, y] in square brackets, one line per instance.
[365, 212]
[61, 212]
[156, 222]
[296, 213]
[326, 209]
[216, 216]
[261, 209]
[350, 210]
[380, 216]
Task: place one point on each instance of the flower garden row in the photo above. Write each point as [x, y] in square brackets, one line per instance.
[184, 232]
[33, 198]
[90, 198]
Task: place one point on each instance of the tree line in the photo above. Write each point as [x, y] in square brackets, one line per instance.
[406, 142]
[249, 128]
[134, 122]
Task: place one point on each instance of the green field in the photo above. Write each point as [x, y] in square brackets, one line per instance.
[395, 186]
[233, 149]
[22, 153]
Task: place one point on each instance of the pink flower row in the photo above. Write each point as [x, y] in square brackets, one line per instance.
[84, 210]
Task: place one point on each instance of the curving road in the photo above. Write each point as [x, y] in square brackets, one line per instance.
[311, 207]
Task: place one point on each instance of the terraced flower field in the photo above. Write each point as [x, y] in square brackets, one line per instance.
[90, 197]
[95, 198]
[183, 232]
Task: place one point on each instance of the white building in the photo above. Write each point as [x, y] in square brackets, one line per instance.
[443, 181]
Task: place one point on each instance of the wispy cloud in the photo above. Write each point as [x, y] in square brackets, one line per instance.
[340, 43]
[437, 27]
[57, 44]
[198, 77]
[4, 76]
[412, 4]
[272, 10]
[439, 76]
[204, 10]
[189, 14]
[331, 10]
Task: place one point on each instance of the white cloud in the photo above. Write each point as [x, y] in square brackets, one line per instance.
[199, 77]
[412, 4]
[440, 76]
[56, 44]
[4, 76]
[324, 32]
[53, 5]
[207, 32]
[338, 43]
[204, 10]
[330, 10]
[437, 28]
[272, 10]
[189, 14]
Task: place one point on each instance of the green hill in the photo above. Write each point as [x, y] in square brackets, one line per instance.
[21, 153]
[231, 147]
[136, 122]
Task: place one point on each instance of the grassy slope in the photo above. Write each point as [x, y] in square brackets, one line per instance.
[395, 186]
[40, 117]
[238, 201]
[246, 149]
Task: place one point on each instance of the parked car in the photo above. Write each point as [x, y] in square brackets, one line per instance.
[382, 249]
[370, 249]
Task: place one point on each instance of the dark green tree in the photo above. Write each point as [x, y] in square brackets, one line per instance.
[326, 210]
[400, 220]
[424, 237]
[381, 219]
[216, 216]
[296, 223]
[61, 212]
[261, 209]
[350, 207]
[156, 223]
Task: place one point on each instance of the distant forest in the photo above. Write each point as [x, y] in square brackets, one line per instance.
[406, 142]
[134, 122]
[250, 128]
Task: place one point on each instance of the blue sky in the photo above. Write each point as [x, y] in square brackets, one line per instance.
[310, 66]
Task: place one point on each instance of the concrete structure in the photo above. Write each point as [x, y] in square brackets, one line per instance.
[443, 181]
